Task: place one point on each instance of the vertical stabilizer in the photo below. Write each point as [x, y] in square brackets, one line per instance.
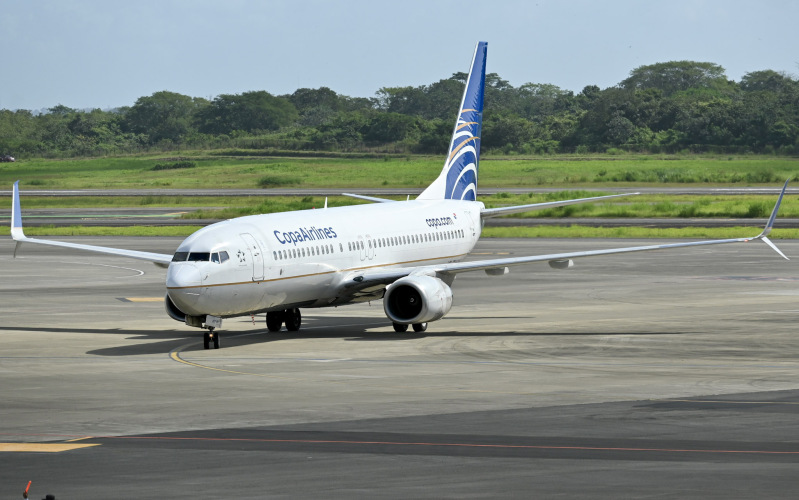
[458, 179]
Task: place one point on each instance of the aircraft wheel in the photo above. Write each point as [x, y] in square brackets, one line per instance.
[215, 335]
[274, 320]
[400, 328]
[419, 327]
[207, 340]
[293, 320]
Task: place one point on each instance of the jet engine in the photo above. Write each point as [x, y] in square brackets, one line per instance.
[417, 299]
[173, 311]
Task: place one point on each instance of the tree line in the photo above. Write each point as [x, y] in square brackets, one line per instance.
[663, 108]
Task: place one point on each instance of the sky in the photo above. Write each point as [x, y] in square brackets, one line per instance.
[106, 54]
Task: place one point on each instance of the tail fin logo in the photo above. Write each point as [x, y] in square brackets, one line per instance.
[464, 156]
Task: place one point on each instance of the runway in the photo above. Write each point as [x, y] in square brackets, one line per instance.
[665, 374]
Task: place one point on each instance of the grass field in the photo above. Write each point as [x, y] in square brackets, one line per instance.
[218, 171]
[641, 206]
[215, 170]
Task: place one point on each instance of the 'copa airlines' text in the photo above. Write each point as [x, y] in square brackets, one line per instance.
[302, 234]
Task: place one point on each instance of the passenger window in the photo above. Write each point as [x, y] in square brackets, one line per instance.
[341, 246]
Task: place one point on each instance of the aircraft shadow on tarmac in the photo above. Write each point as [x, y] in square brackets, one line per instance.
[169, 340]
[176, 338]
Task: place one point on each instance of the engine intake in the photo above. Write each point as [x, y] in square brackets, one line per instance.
[173, 311]
[417, 299]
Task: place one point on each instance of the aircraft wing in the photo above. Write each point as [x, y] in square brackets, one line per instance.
[557, 260]
[17, 234]
[496, 212]
[368, 198]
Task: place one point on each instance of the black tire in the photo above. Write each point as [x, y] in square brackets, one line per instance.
[293, 320]
[419, 327]
[216, 340]
[400, 328]
[274, 321]
[207, 340]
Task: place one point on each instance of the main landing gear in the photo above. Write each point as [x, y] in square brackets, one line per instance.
[291, 317]
[417, 327]
[211, 336]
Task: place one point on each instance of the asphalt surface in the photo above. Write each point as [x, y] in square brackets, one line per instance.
[656, 375]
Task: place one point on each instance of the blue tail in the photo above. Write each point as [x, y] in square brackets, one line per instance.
[458, 179]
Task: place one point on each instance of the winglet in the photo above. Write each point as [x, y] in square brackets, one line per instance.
[16, 216]
[770, 224]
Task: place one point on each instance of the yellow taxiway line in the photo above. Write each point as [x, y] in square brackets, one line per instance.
[42, 447]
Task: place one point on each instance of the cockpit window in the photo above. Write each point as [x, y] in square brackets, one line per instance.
[180, 256]
[216, 257]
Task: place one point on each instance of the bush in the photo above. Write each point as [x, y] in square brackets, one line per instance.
[275, 181]
[758, 209]
[177, 164]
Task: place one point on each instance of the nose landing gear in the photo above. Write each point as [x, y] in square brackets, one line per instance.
[211, 336]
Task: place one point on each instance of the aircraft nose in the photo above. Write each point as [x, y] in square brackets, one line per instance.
[183, 286]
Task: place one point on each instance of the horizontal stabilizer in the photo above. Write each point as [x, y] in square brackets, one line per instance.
[367, 198]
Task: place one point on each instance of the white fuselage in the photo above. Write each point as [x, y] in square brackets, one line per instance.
[278, 261]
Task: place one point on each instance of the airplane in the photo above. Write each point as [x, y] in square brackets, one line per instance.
[406, 253]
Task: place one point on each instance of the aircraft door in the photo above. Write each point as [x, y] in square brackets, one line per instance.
[370, 247]
[470, 218]
[256, 254]
[361, 248]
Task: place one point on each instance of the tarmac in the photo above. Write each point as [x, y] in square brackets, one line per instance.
[669, 374]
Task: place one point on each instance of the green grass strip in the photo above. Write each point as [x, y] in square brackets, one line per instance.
[179, 231]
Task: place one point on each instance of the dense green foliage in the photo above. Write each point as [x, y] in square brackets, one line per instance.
[665, 108]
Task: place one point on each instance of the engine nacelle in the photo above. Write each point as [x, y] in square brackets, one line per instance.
[417, 299]
[173, 311]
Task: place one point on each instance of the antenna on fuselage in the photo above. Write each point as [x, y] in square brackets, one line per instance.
[325, 201]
